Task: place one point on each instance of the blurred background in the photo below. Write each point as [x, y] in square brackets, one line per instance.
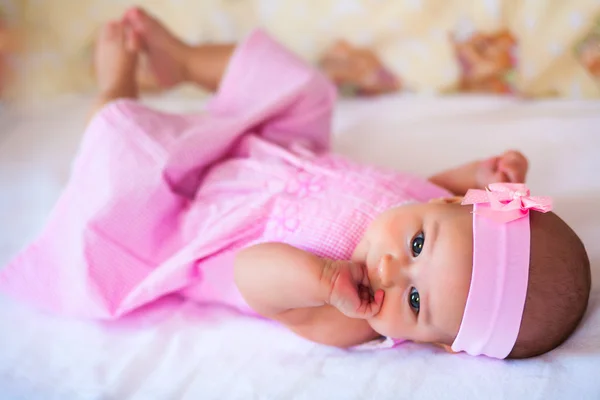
[534, 48]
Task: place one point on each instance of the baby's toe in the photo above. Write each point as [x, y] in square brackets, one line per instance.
[111, 30]
[132, 39]
[140, 20]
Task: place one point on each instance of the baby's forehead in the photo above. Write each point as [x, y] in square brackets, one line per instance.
[447, 269]
[447, 290]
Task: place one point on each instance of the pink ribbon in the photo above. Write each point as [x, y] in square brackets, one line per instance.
[508, 201]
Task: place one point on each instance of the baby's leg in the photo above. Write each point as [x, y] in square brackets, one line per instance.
[293, 101]
[509, 167]
[115, 64]
[171, 60]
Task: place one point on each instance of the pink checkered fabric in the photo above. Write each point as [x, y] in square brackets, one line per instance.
[159, 203]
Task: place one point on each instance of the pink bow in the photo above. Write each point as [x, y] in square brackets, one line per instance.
[508, 201]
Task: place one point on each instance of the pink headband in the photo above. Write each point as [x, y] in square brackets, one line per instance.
[496, 299]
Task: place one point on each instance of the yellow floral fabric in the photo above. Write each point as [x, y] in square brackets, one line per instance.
[552, 48]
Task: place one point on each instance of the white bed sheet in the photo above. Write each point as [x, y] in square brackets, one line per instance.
[180, 350]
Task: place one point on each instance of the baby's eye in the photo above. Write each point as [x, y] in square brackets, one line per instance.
[417, 244]
[414, 300]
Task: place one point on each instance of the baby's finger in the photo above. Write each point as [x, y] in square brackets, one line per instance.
[501, 176]
[359, 274]
[375, 305]
[513, 172]
[491, 163]
[372, 308]
[365, 277]
[364, 293]
[511, 175]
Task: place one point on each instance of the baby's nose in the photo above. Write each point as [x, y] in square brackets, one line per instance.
[391, 270]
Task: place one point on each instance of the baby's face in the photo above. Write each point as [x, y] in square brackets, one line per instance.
[421, 256]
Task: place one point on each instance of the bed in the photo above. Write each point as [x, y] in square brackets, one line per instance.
[181, 350]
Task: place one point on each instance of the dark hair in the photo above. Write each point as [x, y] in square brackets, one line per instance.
[558, 288]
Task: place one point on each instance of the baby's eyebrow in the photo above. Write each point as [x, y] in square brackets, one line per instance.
[431, 237]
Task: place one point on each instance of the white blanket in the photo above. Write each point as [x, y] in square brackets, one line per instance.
[182, 351]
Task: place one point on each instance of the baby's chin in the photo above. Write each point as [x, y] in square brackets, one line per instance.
[383, 327]
[397, 332]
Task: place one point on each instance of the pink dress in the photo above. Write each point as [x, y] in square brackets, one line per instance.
[159, 203]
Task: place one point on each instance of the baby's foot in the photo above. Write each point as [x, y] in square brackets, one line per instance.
[357, 70]
[510, 167]
[115, 62]
[166, 54]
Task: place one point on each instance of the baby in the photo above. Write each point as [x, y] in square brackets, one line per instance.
[245, 206]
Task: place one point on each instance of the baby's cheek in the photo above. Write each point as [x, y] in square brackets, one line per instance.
[389, 321]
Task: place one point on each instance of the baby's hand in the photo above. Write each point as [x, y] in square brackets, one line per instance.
[510, 167]
[349, 289]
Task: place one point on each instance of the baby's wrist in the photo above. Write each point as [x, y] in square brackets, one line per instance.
[328, 275]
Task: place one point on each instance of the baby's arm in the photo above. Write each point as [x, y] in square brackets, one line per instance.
[295, 287]
[509, 167]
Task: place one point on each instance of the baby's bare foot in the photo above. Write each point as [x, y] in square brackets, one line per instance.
[115, 62]
[510, 167]
[166, 54]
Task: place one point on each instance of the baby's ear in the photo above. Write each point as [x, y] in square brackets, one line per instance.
[447, 200]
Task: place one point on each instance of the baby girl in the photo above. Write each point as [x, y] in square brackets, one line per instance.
[244, 205]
